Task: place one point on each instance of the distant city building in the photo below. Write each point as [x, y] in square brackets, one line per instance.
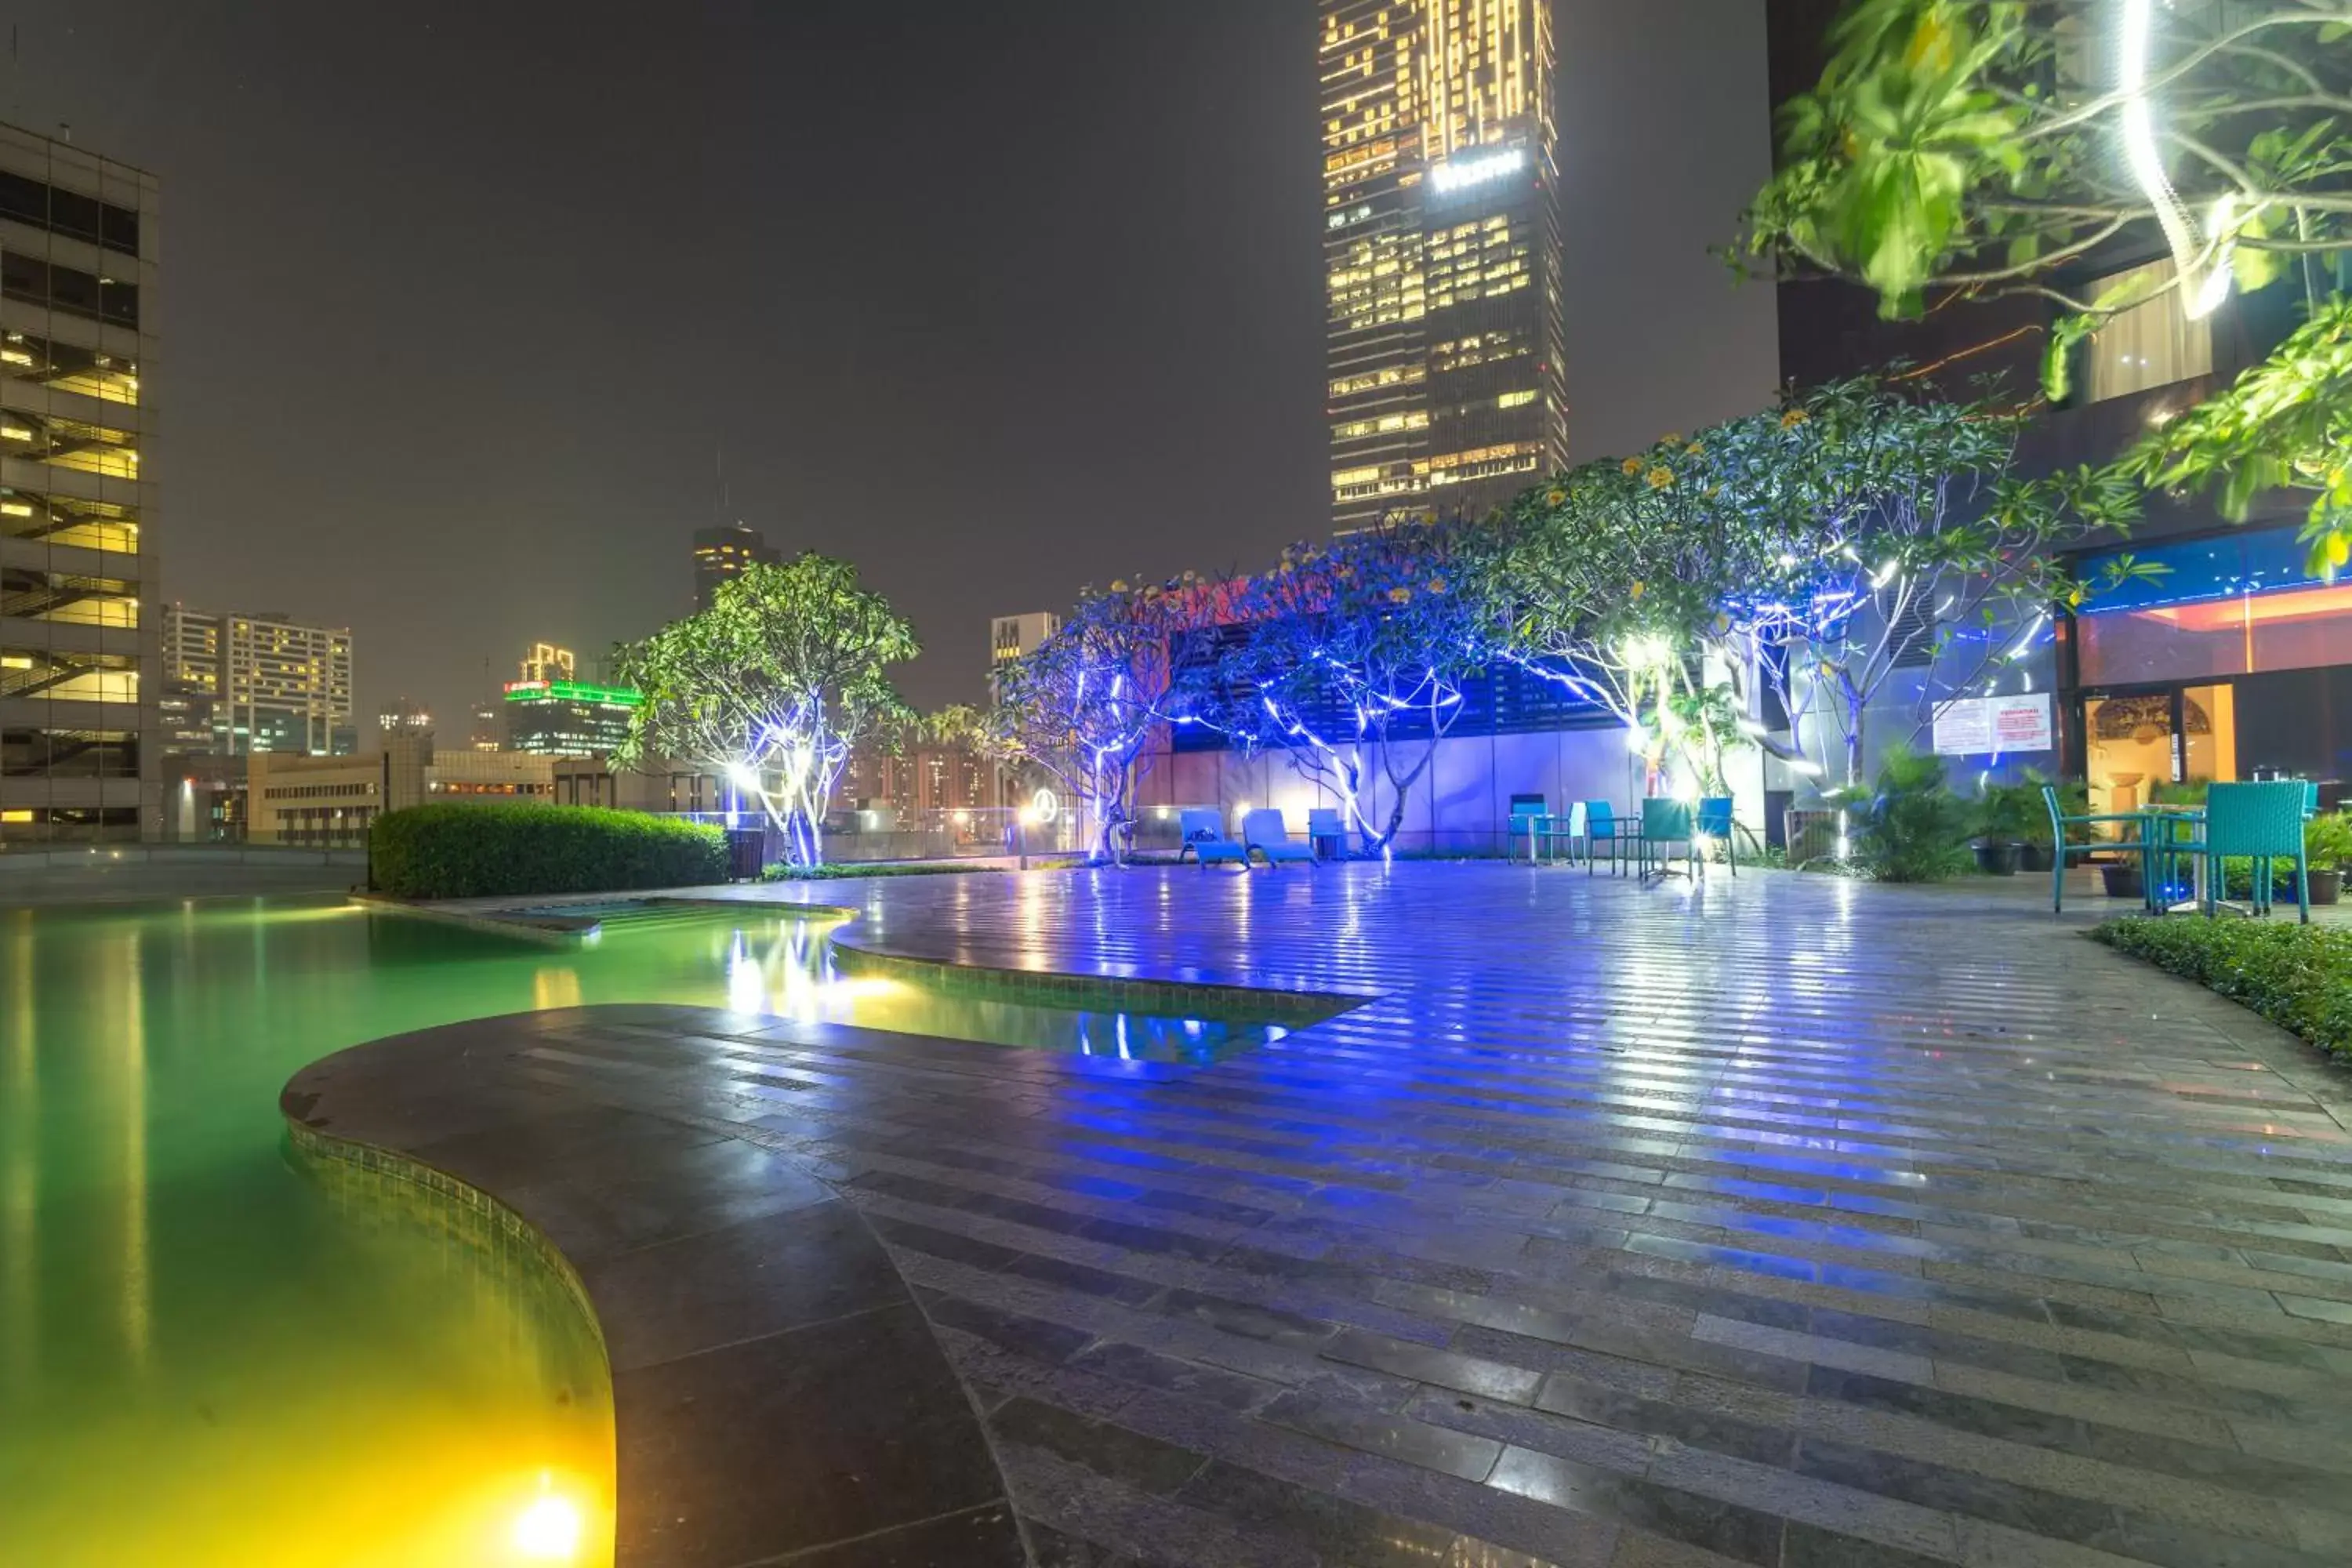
[486, 729]
[401, 713]
[330, 801]
[723, 553]
[545, 661]
[550, 714]
[80, 755]
[1010, 636]
[1441, 254]
[191, 680]
[262, 682]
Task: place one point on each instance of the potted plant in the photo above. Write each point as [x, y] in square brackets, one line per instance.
[2327, 845]
[2005, 818]
[2073, 800]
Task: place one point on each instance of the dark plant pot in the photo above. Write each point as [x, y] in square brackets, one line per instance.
[1999, 859]
[2123, 881]
[2327, 885]
[2033, 857]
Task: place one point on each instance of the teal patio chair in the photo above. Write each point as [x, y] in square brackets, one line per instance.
[2263, 821]
[1205, 839]
[1530, 822]
[1715, 822]
[1327, 833]
[1265, 833]
[1666, 822]
[1600, 828]
[2143, 846]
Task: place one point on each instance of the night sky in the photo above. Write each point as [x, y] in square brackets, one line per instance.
[461, 302]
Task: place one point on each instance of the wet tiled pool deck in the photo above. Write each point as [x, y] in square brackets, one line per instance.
[1780, 1221]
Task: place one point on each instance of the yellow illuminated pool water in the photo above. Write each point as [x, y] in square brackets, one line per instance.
[209, 1355]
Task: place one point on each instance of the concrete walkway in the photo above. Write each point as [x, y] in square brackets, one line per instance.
[1783, 1220]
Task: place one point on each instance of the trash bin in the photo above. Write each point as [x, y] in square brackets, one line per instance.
[747, 850]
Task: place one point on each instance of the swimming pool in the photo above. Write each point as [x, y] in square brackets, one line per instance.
[208, 1356]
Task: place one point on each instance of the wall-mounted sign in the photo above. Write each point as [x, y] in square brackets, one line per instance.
[1981, 726]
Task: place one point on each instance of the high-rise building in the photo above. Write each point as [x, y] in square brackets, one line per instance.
[404, 713]
[1010, 636]
[78, 749]
[487, 732]
[1441, 254]
[723, 553]
[270, 683]
[550, 714]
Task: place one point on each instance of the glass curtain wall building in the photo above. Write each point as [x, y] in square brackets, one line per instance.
[78, 652]
[1441, 254]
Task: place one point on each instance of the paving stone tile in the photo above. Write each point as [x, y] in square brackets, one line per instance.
[784, 1271]
[1743, 1534]
[1379, 1431]
[751, 1477]
[1144, 1463]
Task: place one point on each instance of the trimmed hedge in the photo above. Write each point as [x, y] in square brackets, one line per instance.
[448, 851]
[2297, 976]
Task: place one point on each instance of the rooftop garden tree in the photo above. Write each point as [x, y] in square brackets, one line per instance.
[1612, 580]
[1900, 536]
[1350, 661]
[1965, 149]
[1821, 547]
[1082, 707]
[773, 686]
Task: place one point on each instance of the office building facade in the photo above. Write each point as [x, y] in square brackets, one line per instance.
[1011, 636]
[257, 682]
[721, 553]
[1441, 254]
[79, 756]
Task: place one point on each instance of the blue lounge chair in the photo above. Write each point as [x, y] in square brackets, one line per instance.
[1666, 822]
[1206, 840]
[2143, 846]
[1715, 822]
[2263, 821]
[1266, 833]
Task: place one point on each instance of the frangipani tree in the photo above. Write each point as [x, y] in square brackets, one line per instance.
[2285, 425]
[1911, 542]
[773, 686]
[1084, 706]
[1350, 659]
[1967, 148]
[1613, 580]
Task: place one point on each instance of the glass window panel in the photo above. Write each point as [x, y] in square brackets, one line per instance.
[2152, 344]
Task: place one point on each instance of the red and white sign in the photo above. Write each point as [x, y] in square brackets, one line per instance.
[1980, 726]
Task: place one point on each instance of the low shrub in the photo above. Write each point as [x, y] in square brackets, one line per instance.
[2299, 976]
[1911, 827]
[448, 851]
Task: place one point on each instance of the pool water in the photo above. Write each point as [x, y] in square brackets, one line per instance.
[209, 1356]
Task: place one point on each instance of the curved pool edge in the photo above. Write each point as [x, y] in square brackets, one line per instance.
[777, 1387]
[1227, 999]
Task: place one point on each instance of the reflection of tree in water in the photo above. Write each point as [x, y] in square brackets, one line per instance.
[522, 1303]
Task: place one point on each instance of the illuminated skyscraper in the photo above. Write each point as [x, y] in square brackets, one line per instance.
[723, 553]
[1441, 254]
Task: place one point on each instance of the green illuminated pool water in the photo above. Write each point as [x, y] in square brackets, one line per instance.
[209, 1356]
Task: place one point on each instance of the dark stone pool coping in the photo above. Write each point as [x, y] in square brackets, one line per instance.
[778, 1394]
